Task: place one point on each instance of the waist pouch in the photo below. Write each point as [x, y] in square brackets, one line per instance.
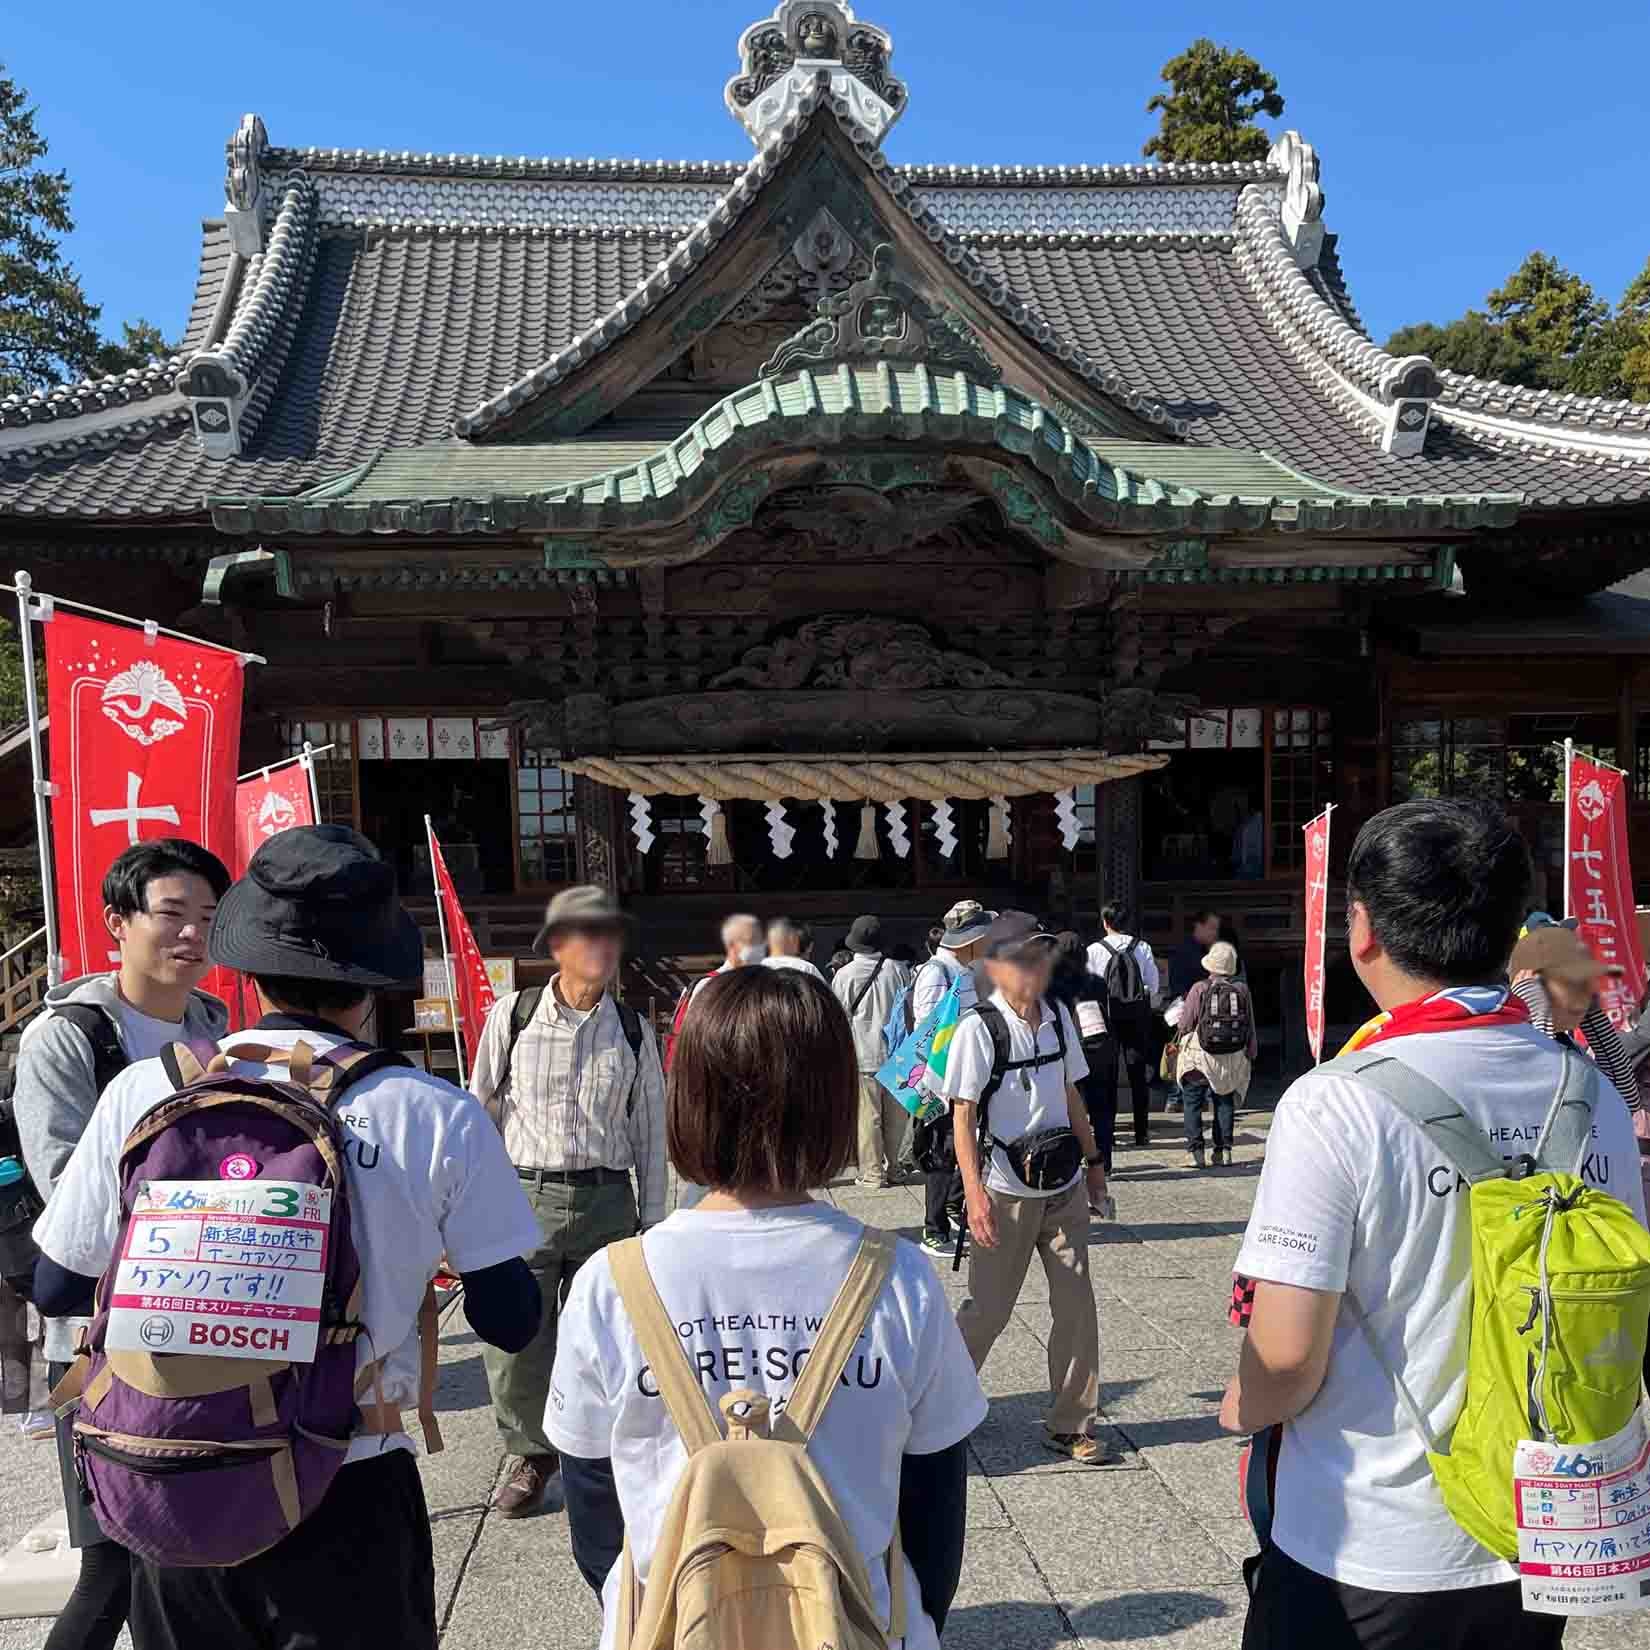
[1045, 1161]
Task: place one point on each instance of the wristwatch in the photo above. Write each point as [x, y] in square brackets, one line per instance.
[1093, 1162]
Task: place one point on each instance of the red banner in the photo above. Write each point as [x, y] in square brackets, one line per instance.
[1599, 883]
[1317, 917]
[144, 738]
[471, 989]
[267, 804]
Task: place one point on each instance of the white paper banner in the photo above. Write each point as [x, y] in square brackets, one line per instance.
[369, 732]
[641, 821]
[898, 838]
[1065, 816]
[945, 837]
[408, 739]
[780, 832]
[829, 810]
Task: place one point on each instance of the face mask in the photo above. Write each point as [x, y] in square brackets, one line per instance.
[752, 953]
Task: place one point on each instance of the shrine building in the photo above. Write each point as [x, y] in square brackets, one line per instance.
[818, 532]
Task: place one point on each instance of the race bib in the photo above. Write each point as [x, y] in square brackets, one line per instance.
[219, 1269]
[1584, 1523]
[1091, 1022]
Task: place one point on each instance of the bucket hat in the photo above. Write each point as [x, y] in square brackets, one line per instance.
[318, 903]
[965, 922]
[1562, 953]
[865, 937]
[587, 906]
[1221, 958]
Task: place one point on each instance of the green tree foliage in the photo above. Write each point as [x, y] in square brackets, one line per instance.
[1215, 96]
[1544, 327]
[11, 675]
[48, 326]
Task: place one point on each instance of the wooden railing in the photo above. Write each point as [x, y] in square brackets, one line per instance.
[22, 980]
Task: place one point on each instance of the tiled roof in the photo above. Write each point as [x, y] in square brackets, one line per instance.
[389, 325]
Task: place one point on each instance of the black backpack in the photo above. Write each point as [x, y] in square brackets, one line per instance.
[1225, 1021]
[526, 1006]
[21, 1202]
[1125, 984]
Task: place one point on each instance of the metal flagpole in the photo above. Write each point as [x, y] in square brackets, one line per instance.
[23, 586]
[308, 760]
[1323, 928]
[446, 955]
[1569, 758]
[285, 762]
[42, 785]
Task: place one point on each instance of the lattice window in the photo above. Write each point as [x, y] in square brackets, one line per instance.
[546, 825]
[334, 769]
[679, 853]
[1514, 759]
[1302, 783]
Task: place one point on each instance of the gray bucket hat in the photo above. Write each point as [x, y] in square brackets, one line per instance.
[965, 922]
[586, 906]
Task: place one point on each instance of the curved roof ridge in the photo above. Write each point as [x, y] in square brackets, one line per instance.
[634, 169]
[1364, 380]
[728, 212]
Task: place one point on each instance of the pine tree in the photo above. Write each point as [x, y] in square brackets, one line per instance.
[1215, 96]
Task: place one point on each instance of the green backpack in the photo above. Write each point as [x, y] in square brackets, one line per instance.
[1560, 1295]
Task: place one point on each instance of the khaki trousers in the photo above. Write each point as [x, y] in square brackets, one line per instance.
[1057, 1230]
[882, 1121]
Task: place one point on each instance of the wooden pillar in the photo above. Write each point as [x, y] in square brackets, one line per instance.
[1626, 724]
[599, 846]
[1384, 728]
[1119, 856]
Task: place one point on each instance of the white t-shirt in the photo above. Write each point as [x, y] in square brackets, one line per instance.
[1354, 1197]
[1026, 1101]
[427, 1173]
[142, 1036]
[934, 979]
[800, 964]
[748, 1290]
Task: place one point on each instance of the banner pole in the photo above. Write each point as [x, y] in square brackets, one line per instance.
[285, 762]
[1323, 925]
[1569, 759]
[308, 760]
[446, 955]
[139, 624]
[42, 785]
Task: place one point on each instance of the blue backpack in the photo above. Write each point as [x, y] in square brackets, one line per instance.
[897, 1027]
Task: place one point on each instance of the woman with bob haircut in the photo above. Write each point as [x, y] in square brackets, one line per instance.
[762, 1109]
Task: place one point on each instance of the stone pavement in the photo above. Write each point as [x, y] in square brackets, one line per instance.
[1060, 1557]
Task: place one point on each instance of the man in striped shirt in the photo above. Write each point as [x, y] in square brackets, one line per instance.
[573, 1079]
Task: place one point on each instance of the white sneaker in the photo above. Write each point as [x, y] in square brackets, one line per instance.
[38, 1423]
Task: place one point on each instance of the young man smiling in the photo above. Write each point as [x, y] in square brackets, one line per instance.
[159, 898]
[1359, 1216]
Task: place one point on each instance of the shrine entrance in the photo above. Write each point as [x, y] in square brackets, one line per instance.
[469, 806]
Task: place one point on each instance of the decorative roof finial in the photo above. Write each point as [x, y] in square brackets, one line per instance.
[779, 57]
[243, 186]
[1302, 198]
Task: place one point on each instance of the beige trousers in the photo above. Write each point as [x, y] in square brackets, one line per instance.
[882, 1124]
[1057, 1230]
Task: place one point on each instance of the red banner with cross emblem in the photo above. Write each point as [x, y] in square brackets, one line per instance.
[145, 730]
[1317, 926]
[1599, 881]
[269, 803]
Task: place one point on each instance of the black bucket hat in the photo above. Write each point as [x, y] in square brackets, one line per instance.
[317, 903]
[865, 937]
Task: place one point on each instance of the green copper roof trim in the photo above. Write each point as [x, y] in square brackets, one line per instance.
[1434, 573]
[1114, 486]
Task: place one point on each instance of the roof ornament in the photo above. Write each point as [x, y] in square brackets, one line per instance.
[822, 250]
[884, 318]
[780, 56]
[1408, 387]
[1302, 198]
[243, 186]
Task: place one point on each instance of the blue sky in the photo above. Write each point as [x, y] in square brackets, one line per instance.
[1454, 137]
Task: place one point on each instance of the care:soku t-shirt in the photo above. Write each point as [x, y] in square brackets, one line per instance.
[747, 1291]
[1354, 1198]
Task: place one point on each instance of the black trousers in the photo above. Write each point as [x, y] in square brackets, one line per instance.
[1295, 1608]
[942, 1203]
[1099, 1092]
[1126, 1044]
[96, 1610]
[358, 1574]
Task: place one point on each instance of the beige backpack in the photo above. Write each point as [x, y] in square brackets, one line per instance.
[753, 1554]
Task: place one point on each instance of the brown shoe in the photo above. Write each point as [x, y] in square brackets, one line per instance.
[1084, 1448]
[526, 1478]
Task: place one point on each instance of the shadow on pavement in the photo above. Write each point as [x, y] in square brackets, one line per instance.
[1135, 1616]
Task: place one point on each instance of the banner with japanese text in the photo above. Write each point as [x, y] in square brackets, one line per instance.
[1599, 890]
[145, 731]
[472, 990]
[1317, 918]
[268, 803]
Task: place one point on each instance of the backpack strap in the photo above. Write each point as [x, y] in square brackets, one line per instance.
[865, 990]
[108, 1057]
[685, 1401]
[1001, 1052]
[522, 1011]
[630, 1023]
[1429, 1108]
[1568, 1130]
[834, 1345]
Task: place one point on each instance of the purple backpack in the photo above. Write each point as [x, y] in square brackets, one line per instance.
[206, 1458]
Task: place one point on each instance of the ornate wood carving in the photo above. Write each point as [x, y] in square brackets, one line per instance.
[593, 812]
[841, 650]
